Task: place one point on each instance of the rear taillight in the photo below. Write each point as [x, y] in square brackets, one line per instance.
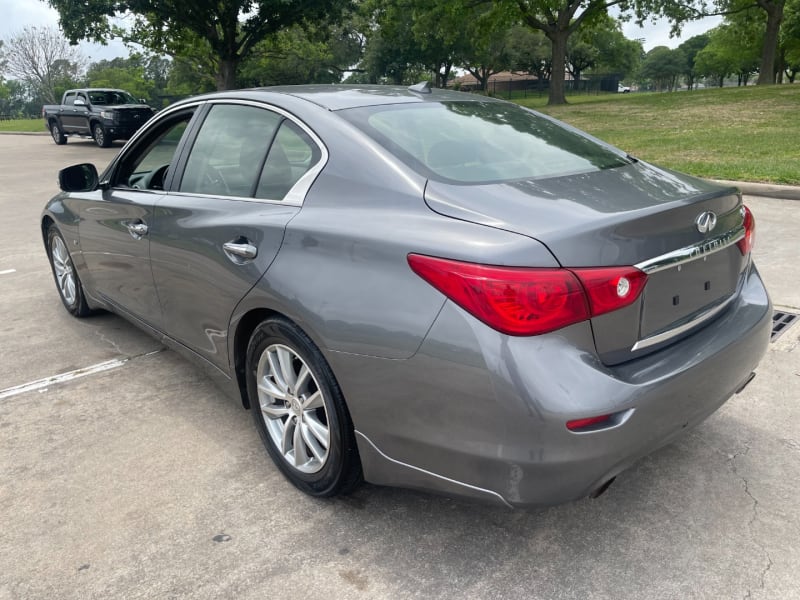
[529, 301]
[746, 243]
[611, 288]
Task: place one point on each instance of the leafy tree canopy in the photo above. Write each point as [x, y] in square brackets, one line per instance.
[217, 35]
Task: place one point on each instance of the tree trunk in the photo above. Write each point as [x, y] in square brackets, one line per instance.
[226, 73]
[774, 9]
[558, 40]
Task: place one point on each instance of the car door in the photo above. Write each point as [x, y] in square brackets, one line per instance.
[220, 226]
[80, 116]
[115, 227]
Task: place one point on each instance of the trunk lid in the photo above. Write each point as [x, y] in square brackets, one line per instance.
[636, 215]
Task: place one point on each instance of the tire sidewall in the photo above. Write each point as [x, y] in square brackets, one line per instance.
[327, 480]
[101, 139]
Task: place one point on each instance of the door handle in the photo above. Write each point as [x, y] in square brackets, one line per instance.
[137, 229]
[238, 250]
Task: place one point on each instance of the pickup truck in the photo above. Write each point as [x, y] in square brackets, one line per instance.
[102, 114]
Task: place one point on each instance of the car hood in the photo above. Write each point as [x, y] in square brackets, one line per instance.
[617, 216]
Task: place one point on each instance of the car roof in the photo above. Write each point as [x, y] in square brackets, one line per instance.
[341, 96]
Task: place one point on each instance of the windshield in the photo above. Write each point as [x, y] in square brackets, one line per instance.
[481, 142]
[111, 97]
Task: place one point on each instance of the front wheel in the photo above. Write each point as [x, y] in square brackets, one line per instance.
[67, 281]
[101, 137]
[299, 410]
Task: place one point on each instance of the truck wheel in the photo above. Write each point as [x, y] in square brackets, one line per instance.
[101, 138]
[57, 133]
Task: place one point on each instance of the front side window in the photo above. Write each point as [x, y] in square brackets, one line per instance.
[230, 150]
[480, 142]
[146, 166]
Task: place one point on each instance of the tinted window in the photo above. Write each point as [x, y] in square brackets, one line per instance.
[292, 154]
[479, 142]
[145, 167]
[230, 150]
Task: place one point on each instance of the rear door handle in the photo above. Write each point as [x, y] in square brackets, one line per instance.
[238, 250]
[137, 229]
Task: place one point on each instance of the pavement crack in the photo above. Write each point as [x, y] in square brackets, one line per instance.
[112, 343]
[753, 518]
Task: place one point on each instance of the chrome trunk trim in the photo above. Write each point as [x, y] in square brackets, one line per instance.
[675, 331]
[693, 252]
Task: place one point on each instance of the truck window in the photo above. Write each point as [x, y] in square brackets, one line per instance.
[69, 99]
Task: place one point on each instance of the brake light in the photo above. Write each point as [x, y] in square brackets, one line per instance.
[512, 300]
[611, 288]
[746, 243]
[530, 301]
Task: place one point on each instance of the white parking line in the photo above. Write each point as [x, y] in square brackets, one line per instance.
[8, 272]
[70, 375]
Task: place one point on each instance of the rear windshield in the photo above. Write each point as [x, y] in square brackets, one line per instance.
[480, 142]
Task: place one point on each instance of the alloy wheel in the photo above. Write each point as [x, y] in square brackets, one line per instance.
[65, 273]
[294, 408]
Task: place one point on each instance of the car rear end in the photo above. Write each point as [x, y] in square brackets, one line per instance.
[653, 318]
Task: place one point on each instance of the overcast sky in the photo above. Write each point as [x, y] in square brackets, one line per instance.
[17, 14]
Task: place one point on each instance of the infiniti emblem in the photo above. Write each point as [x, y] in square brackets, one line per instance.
[706, 221]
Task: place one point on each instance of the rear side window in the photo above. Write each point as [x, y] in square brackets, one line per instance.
[291, 156]
[480, 142]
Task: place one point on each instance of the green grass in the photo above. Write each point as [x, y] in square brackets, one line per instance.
[743, 134]
[23, 125]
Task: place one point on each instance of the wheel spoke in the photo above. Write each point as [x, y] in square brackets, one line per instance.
[267, 387]
[274, 411]
[287, 369]
[288, 432]
[311, 442]
[275, 370]
[319, 431]
[313, 401]
[299, 445]
[302, 378]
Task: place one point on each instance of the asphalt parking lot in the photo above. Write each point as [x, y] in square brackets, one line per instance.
[144, 481]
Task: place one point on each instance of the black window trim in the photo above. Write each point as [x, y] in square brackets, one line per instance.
[296, 195]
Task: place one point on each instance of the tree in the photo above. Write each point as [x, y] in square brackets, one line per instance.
[558, 20]
[615, 52]
[789, 48]
[216, 34]
[302, 55]
[690, 49]
[663, 66]
[124, 73]
[733, 47]
[530, 51]
[44, 60]
[681, 11]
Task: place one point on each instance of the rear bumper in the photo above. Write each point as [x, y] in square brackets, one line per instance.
[479, 414]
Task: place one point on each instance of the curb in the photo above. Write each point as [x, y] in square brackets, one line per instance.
[24, 133]
[770, 190]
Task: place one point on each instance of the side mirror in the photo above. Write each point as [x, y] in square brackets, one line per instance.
[80, 102]
[143, 100]
[78, 178]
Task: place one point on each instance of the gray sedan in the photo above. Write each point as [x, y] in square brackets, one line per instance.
[421, 288]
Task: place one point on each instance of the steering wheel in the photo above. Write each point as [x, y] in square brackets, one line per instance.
[154, 180]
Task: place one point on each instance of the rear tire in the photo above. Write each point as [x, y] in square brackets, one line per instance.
[68, 284]
[58, 133]
[100, 135]
[299, 410]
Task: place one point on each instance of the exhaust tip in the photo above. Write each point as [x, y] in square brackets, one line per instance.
[602, 489]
